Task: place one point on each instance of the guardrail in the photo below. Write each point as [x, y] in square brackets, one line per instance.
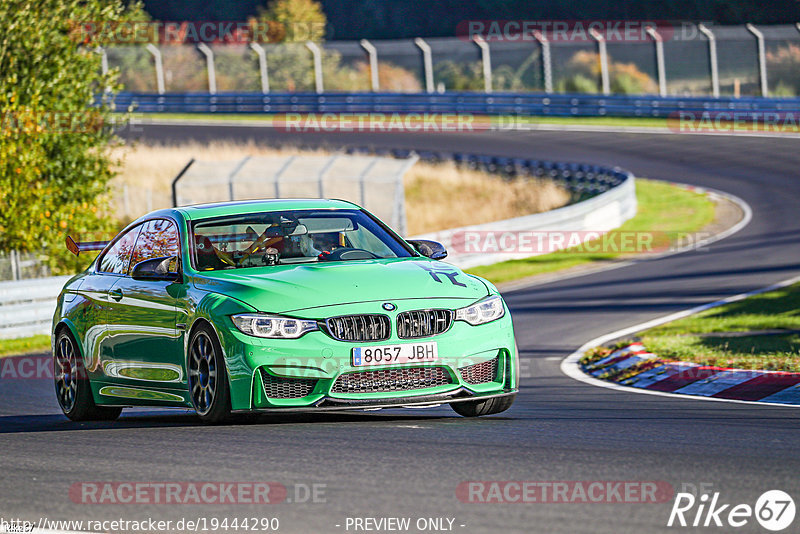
[607, 199]
[598, 214]
[523, 104]
[27, 306]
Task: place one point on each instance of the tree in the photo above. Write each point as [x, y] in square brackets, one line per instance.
[54, 163]
[294, 20]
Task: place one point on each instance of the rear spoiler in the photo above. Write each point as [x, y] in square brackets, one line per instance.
[77, 248]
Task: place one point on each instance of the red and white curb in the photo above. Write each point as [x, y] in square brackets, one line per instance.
[648, 371]
[681, 380]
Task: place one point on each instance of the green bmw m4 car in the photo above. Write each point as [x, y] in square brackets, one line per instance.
[277, 305]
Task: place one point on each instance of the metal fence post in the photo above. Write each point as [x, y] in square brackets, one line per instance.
[103, 59]
[547, 63]
[362, 180]
[12, 256]
[400, 195]
[486, 61]
[103, 64]
[603, 51]
[262, 66]
[280, 172]
[323, 172]
[373, 64]
[762, 58]
[316, 54]
[427, 62]
[232, 176]
[212, 73]
[662, 75]
[712, 58]
[175, 182]
[159, 67]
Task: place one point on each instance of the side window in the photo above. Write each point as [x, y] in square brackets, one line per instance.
[159, 238]
[118, 257]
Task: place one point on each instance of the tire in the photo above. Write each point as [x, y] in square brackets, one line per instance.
[483, 407]
[208, 378]
[73, 391]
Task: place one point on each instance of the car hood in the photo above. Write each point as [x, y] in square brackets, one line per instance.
[287, 288]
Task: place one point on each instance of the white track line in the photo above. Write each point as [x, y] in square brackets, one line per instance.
[571, 367]
[590, 128]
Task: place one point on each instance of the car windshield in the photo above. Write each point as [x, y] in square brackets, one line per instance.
[290, 237]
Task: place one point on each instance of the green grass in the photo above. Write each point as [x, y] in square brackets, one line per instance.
[505, 121]
[776, 310]
[662, 208]
[645, 122]
[24, 345]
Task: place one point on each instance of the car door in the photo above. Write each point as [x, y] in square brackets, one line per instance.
[142, 315]
[111, 267]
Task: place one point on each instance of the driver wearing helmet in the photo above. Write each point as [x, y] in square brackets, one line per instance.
[327, 242]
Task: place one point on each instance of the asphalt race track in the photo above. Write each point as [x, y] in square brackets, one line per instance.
[409, 463]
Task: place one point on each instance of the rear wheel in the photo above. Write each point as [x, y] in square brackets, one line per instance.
[72, 384]
[208, 380]
[483, 407]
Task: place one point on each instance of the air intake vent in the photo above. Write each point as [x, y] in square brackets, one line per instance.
[387, 380]
[480, 373]
[278, 387]
[359, 327]
[423, 323]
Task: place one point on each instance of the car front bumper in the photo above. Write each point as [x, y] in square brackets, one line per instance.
[316, 371]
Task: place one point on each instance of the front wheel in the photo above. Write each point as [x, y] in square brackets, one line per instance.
[483, 407]
[72, 384]
[208, 380]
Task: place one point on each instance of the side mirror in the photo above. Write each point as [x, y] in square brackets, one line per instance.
[155, 269]
[430, 249]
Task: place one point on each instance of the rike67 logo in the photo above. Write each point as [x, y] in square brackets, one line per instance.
[774, 510]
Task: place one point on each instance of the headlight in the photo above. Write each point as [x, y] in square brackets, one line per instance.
[487, 310]
[272, 326]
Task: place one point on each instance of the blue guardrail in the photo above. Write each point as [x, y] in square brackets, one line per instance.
[532, 104]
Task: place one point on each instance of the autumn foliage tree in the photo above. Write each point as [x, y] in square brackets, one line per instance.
[294, 21]
[54, 163]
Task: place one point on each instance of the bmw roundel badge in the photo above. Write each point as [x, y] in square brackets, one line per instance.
[388, 306]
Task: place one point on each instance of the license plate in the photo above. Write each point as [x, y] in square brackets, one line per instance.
[395, 354]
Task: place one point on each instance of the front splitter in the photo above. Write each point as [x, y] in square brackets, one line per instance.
[330, 404]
